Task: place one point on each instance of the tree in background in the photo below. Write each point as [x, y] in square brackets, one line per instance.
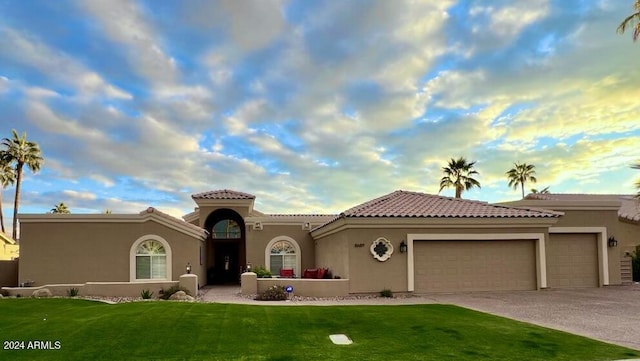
[520, 174]
[544, 190]
[7, 178]
[632, 21]
[60, 208]
[459, 174]
[20, 152]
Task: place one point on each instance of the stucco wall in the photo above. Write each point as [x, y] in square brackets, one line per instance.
[257, 241]
[347, 253]
[64, 252]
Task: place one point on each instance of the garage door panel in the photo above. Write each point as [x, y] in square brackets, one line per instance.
[444, 266]
[572, 260]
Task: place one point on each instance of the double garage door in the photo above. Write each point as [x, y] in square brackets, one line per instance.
[450, 266]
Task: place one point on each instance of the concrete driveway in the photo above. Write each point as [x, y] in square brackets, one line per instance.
[610, 314]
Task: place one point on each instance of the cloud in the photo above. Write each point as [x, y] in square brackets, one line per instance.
[49, 62]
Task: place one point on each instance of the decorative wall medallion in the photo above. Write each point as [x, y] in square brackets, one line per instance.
[381, 249]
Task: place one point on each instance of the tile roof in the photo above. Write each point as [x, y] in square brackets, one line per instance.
[420, 205]
[223, 194]
[629, 204]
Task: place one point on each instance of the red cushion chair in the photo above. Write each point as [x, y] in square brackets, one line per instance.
[321, 273]
[286, 273]
[310, 273]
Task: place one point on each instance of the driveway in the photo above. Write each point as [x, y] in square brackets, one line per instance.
[610, 314]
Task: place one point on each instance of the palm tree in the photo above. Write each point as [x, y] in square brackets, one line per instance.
[7, 178]
[459, 174]
[60, 208]
[521, 174]
[21, 152]
[633, 21]
[544, 190]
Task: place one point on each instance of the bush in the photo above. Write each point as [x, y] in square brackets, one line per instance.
[146, 294]
[273, 293]
[73, 292]
[386, 293]
[4, 293]
[165, 294]
[262, 272]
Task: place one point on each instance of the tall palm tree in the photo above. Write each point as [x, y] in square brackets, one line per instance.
[60, 208]
[521, 174]
[459, 174]
[7, 178]
[19, 151]
[633, 21]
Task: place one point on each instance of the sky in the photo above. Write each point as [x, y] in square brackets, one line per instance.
[314, 106]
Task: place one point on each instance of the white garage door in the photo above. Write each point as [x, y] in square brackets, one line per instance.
[445, 266]
[572, 260]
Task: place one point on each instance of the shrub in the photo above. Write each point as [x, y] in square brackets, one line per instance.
[262, 272]
[146, 294]
[73, 292]
[273, 293]
[165, 294]
[4, 293]
[386, 293]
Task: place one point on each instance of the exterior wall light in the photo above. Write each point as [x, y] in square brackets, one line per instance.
[612, 242]
[249, 267]
[188, 267]
[403, 247]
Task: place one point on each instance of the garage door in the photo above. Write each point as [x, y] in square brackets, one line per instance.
[572, 260]
[444, 266]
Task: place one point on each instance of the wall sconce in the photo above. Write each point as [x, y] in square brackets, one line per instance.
[612, 242]
[249, 267]
[403, 247]
[188, 267]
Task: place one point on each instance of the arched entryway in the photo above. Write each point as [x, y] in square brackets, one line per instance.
[226, 253]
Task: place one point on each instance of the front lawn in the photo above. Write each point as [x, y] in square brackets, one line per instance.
[88, 330]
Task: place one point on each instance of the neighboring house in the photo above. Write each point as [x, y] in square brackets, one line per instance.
[403, 241]
[9, 250]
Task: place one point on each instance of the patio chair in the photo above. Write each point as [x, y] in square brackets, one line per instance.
[286, 273]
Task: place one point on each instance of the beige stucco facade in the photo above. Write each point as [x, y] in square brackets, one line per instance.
[540, 244]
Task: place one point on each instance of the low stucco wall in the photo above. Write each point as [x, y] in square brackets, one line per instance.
[308, 287]
[99, 289]
[9, 273]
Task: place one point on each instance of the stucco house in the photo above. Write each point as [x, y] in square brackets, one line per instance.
[403, 241]
[10, 249]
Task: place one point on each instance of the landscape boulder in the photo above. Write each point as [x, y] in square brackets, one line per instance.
[180, 296]
[41, 293]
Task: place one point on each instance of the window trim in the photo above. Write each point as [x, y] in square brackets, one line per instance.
[132, 258]
[296, 246]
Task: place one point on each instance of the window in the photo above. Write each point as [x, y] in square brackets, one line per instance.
[226, 229]
[150, 259]
[283, 252]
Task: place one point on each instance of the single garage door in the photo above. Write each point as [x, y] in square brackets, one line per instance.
[572, 260]
[445, 266]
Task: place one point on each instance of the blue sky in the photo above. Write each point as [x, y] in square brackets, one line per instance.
[314, 106]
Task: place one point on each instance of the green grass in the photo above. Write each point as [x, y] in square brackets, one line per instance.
[203, 331]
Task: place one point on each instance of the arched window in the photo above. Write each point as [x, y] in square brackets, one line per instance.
[226, 229]
[283, 252]
[150, 259]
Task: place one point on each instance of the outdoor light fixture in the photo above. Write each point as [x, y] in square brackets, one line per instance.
[249, 267]
[188, 268]
[612, 242]
[403, 247]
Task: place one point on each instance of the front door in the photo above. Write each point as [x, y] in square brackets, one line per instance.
[226, 263]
